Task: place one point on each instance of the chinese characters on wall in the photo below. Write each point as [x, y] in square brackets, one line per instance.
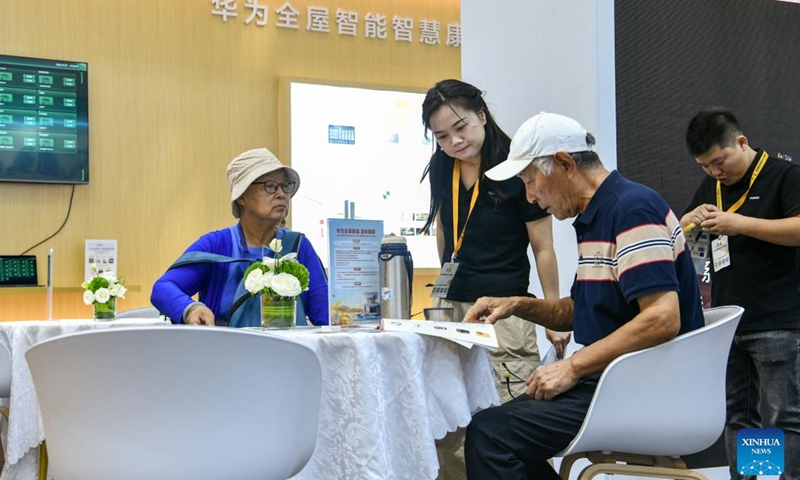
[373, 25]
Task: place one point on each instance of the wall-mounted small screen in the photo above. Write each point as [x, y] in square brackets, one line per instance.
[44, 120]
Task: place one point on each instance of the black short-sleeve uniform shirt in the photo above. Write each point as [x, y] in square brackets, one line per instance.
[762, 276]
[493, 259]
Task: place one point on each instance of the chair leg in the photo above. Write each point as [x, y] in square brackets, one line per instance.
[592, 471]
[567, 463]
[43, 461]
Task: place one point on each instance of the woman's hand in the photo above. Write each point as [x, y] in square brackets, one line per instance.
[199, 315]
[559, 341]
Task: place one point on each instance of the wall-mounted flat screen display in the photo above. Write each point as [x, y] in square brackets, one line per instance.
[44, 120]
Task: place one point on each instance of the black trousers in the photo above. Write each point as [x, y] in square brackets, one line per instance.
[515, 440]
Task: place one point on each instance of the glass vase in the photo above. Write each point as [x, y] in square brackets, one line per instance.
[105, 311]
[277, 312]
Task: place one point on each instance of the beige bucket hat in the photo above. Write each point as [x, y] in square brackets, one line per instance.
[248, 166]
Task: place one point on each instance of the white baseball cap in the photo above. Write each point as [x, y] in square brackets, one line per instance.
[540, 136]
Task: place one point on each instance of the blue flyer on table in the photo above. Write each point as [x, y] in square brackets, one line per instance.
[353, 280]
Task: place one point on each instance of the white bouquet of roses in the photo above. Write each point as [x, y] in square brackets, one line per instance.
[282, 277]
[102, 287]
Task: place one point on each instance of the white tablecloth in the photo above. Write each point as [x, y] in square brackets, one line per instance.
[386, 397]
[25, 430]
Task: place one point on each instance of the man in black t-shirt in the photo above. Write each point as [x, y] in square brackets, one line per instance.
[750, 205]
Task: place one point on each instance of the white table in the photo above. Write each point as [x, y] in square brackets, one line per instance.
[386, 397]
[25, 430]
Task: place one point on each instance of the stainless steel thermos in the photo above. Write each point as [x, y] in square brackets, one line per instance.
[396, 271]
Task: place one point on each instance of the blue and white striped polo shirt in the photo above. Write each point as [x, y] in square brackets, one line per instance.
[630, 244]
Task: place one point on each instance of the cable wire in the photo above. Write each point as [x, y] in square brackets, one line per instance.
[512, 373]
[508, 387]
[69, 210]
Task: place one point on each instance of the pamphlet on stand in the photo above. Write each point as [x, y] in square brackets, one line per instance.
[101, 253]
[466, 334]
[353, 280]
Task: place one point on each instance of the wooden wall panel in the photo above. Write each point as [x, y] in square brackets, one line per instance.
[174, 94]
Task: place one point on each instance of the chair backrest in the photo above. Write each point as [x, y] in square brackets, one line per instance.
[142, 312]
[664, 400]
[190, 403]
[5, 371]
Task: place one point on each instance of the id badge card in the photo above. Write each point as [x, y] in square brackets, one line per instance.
[720, 253]
[446, 275]
[699, 244]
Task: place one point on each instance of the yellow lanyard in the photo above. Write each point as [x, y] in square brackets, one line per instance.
[756, 171]
[457, 239]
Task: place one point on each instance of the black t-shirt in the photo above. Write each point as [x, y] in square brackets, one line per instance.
[762, 276]
[493, 259]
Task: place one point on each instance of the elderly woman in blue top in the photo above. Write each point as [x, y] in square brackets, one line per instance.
[213, 266]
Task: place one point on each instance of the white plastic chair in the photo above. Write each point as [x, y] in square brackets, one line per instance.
[190, 403]
[653, 405]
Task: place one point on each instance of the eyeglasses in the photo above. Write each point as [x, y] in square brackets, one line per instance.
[272, 187]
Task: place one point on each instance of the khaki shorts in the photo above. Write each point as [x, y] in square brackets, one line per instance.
[517, 356]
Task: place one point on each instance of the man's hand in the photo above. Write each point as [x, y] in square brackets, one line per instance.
[559, 341]
[722, 223]
[490, 310]
[549, 381]
[698, 215]
[199, 315]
